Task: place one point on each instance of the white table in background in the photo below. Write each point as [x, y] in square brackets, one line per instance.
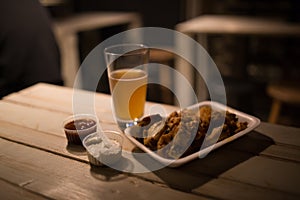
[200, 27]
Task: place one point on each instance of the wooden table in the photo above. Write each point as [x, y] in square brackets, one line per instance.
[37, 163]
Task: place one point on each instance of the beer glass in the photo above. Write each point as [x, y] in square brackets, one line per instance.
[128, 77]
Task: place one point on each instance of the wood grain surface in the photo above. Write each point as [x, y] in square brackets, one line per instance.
[37, 162]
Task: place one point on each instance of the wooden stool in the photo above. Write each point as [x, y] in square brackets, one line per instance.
[288, 93]
[159, 93]
[161, 56]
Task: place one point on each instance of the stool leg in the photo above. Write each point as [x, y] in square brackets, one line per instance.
[275, 109]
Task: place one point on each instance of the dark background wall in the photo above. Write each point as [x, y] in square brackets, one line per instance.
[247, 63]
[154, 13]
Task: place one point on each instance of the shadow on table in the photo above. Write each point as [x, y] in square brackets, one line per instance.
[76, 149]
[104, 173]
[200, 171]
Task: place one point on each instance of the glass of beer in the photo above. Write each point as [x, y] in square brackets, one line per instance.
[128, 77]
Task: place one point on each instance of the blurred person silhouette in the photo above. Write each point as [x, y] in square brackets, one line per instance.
[28, 50]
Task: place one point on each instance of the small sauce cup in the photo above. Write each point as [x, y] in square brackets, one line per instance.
[101, 154]
[77, 127]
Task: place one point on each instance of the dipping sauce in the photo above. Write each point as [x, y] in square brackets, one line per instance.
[77, 127]
[80, 124]
[102, 153]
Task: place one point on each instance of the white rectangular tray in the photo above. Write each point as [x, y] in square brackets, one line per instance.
[253, 122]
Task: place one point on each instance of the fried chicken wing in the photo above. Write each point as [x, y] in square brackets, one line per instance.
[183, 132]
